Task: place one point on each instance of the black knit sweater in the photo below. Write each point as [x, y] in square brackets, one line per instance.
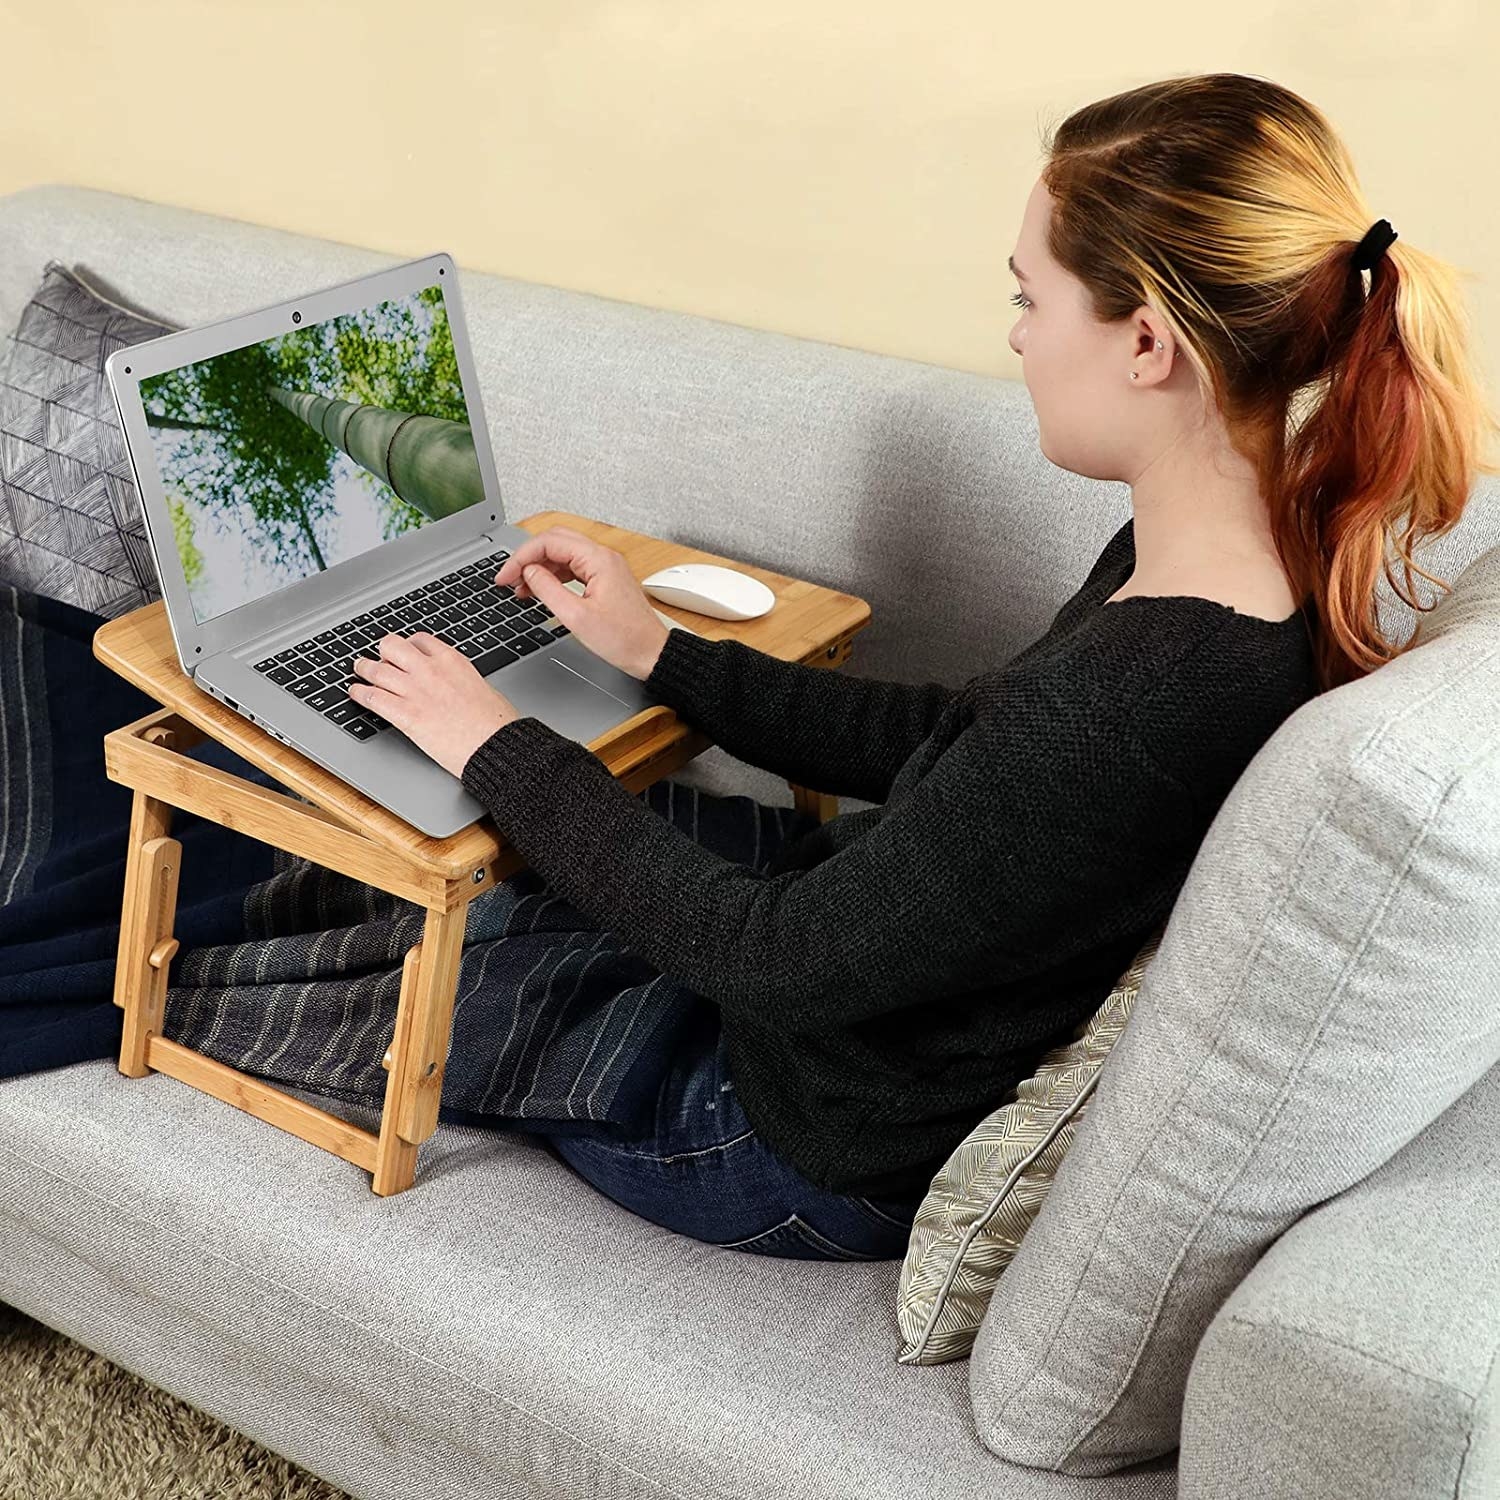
[887, 981]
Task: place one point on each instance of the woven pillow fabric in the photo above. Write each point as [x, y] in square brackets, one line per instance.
[70, 522]
[1327, 985]
[986, 1195]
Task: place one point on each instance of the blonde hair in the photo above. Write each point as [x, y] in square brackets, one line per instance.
[1228, 205]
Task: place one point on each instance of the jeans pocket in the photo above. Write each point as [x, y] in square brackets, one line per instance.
[794, 1237]
[883, 1215]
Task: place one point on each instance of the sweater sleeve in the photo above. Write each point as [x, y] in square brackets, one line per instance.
[1015, 851]
[817, 727]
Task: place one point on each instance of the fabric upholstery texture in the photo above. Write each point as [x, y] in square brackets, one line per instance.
[499, 1329]
[1364, 1347]
[988, 1193]
[70, 522]
[1325, 988]
[430, 1343]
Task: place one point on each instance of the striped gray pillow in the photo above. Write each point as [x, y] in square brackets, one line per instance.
[70, 522]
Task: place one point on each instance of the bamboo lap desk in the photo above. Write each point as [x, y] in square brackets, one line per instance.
[344, 830]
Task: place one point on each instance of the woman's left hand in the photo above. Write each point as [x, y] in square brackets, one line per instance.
[430, 691]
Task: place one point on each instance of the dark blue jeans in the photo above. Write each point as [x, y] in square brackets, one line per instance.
[701, 1169]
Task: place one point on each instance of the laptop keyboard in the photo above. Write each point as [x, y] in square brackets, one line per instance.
[488, 625]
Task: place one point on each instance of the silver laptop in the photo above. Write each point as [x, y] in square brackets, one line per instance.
[318, 474]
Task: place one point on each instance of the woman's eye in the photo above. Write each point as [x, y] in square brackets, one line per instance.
[1020, 300]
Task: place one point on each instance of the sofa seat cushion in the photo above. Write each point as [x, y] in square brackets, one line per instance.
[499, 1328]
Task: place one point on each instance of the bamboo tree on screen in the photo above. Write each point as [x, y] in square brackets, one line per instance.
[262, 430]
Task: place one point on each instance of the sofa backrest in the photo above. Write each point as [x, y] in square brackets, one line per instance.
[921, 489]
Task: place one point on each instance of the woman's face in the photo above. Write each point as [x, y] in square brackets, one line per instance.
[1091, 417]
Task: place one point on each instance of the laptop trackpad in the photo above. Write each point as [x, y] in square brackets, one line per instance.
[545, 688]
[621, 686]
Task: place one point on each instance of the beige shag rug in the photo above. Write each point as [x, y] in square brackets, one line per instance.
[73, 1426]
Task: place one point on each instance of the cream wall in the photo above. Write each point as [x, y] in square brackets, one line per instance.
[846, 170]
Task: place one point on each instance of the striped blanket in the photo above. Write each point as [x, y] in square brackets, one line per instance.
[289, 971]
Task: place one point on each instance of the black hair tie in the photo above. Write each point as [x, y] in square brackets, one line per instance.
[1376, 242]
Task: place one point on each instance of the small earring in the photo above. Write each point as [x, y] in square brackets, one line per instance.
[1135, 374]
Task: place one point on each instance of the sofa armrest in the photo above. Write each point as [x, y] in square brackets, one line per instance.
[1359, 1356]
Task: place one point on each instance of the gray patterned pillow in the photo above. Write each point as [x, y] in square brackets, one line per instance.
[987, 1194]
[70, 522]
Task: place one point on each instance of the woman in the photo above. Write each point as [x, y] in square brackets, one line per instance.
[1192, 266]
[1193, 257]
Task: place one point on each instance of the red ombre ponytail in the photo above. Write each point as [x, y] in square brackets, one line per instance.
[1229, 205]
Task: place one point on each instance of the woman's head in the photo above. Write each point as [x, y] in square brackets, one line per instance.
[1077, 368]
[1219, 214]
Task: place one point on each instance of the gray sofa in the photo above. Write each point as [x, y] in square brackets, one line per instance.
[502, 1328]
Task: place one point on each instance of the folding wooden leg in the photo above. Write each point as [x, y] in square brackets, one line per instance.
[819, 804]
[153, 861]
[418, 1054]
[395, 1156]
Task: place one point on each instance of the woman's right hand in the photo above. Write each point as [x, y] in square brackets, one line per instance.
[612, 617]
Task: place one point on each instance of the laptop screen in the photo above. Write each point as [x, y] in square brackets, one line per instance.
[297, 453]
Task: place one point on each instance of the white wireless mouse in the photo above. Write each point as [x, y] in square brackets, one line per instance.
[708, 589]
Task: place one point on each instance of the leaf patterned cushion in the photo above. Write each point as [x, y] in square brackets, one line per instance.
[70, 522]
[987, 1194]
